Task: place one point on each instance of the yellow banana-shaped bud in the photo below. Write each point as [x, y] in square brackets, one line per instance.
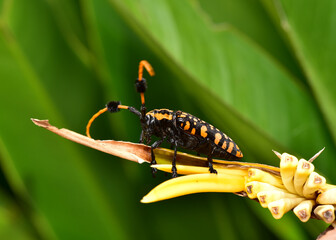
[254, 187]
[195, 183]
[266, 197]
[327, 197]
[255, 174]
[313, 184]
[325, 212]
[288, 166]
[280, 207]
[304, 209]
[303, 170]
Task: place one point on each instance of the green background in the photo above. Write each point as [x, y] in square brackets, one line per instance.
[261, 71]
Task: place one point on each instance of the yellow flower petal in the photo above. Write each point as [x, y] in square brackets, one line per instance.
[312, 185]
[195, 183]
[288, 166]
[327, 197]
[304, 209]
[325, 212]
[280, 207]
[304, 169]
[254, 187]
[266, 197]
[261, 176]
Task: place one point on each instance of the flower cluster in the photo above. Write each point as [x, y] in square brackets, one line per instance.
[298, 188]
[294, 186]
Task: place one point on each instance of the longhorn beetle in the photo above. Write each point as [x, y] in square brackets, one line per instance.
[180, 129]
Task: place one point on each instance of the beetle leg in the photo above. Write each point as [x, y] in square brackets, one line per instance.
[144, 139]
[153, 161]
[211, 169]
[141, 137]
[174, 170]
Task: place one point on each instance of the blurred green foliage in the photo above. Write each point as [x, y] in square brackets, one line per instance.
[261, 71]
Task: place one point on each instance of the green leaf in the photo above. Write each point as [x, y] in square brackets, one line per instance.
[313, 40]
[12, 222]
[253, 23]
[57, 178]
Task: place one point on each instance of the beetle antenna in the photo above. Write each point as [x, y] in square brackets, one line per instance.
[141, 83]
[113, 106]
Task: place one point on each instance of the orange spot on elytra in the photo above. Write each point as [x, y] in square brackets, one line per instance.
[230, 147]
[224, 145]
[203, 131]
[193, 131]
[218, 137]
[239, 154]
[187, 126]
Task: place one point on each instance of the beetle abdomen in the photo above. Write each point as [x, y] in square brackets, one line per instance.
[197, 127]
